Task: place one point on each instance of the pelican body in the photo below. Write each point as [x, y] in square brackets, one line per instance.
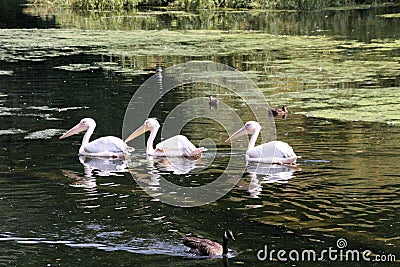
[108, 146]
[206, 247]
[272, 152]
[176, 146]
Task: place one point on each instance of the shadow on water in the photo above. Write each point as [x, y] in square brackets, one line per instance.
[12, 16]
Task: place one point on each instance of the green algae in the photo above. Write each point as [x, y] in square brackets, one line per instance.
[44, 134]
[11, 131]
[391, 16]
[6, 72]
[317, 75]
[77, 67]
[362, 104]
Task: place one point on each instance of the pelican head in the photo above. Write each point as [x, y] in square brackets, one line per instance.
[250, 127]
[82, 126]
[149, 125]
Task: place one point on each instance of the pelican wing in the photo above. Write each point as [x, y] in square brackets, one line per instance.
[273, 149]
[283, 150]
[176, 146]
[110, 144]
[273, 152]
[176, 142]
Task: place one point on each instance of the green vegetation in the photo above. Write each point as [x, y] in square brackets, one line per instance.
[206, 4]
[337, 80]
[104, 4]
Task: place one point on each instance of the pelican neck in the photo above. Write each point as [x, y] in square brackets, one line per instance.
[253, 139]
[88, 134]
[150, 148]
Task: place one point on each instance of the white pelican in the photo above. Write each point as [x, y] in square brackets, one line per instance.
[108, 146]
[272, 152]
[176, 146]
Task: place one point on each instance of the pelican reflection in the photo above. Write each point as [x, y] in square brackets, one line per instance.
[261, 173]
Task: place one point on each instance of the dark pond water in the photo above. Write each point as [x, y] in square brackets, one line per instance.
[343, 94]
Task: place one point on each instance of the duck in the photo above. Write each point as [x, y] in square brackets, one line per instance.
[279, 111]
[206, 247]
[213, 102]
[107, 146]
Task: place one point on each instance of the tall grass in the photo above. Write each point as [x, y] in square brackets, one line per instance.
[208, 4]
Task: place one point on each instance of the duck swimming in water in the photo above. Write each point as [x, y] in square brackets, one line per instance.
[206, 247]
[213, 102]
[279, 111]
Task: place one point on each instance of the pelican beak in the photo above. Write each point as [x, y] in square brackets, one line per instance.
[74, 130]
[141, 130]
[242, 131]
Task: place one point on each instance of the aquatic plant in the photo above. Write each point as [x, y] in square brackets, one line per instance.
[206, 4]
[104, 4]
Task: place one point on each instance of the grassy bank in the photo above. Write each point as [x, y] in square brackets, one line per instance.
[207, 4]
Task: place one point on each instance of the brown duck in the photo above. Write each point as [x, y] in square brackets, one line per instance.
[206, 247]
[279, 111]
